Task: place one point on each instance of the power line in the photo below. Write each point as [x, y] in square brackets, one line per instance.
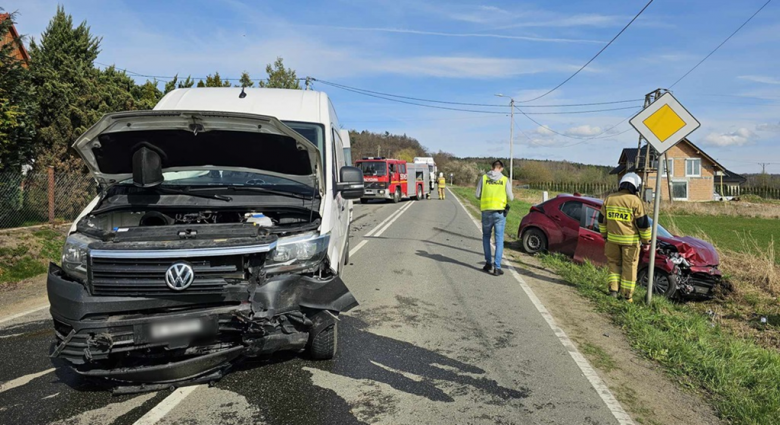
[478, 111]
[721, 44]
[525, 114]
[591, 59]
[167, 77]
[338, 85]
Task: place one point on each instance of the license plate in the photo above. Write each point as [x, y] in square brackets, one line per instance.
[175, 329]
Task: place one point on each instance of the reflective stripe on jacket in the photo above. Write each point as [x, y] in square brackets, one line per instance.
[493, 196]
[623, 220]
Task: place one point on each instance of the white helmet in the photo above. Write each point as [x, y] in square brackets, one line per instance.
[441, 174]
[632, 178]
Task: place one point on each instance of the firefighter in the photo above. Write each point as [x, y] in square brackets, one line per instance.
[624, 224]
[494, 193]
[442, 183]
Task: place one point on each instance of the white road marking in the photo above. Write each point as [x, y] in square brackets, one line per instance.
[50, 396]
[357, 248]
[9, 336]
[24, 313]
[379, 226]
[387, 226]
[165, 406]
[22, 380]
[601, 388]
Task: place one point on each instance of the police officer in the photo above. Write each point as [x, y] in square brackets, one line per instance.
[623, 224]
[442, 183]
[493, 192]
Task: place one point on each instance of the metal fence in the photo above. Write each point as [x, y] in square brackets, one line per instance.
[43, 197]
[596, 190]
[600, 190]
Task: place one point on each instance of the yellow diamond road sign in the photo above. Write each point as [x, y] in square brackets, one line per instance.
[664, 123]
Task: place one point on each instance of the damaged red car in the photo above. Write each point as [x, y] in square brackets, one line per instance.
[568, 224]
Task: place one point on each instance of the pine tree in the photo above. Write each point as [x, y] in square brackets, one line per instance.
[216, 81]
[279, 77]
[175, 83]
[245, 81]
[17, 106]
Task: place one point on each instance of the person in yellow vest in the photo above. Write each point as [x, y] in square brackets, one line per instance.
[624, 224]
[442, 183]
[494, 193]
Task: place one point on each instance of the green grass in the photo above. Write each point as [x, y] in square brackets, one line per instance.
[742, 378]
[727, 232]
[600, 358]
[23, 262]
[517, 209]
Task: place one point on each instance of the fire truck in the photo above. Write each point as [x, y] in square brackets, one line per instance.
[388, 179]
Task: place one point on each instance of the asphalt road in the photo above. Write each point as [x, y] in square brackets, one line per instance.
[435, 340]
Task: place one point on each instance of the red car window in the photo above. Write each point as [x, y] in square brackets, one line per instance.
[591, 218]
[573, 209]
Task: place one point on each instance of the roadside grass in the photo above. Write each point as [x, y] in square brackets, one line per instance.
[719, 345]
[26, 253]
[742, 377]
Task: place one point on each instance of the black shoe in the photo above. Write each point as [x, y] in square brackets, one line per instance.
[498, 272]
[488, 268]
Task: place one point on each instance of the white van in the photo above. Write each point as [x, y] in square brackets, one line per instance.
[220, 233]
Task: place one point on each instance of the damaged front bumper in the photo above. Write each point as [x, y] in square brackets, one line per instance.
[184, 338]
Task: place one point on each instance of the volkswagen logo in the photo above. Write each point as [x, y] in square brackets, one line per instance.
[179, 276]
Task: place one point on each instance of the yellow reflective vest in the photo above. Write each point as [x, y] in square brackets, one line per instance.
[623, 220]
[442, 182]
[493, 196]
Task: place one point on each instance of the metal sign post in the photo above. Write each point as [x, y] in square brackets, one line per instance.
[663, 124]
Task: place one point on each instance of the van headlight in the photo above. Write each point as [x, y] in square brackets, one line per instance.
[74, 256]
[298, 253]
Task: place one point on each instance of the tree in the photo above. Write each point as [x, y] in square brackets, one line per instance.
[17, 105]
[66, 85]
[245, 81]
[175, 83]
[279, 77]
[216, 81]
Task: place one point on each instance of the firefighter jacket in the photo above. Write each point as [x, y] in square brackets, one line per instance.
[623, 220]
[442, 182]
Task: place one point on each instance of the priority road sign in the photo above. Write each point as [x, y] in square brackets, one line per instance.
[664, 123]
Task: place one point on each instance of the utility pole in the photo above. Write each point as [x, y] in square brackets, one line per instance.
[379, 151]
[763, 166]
[511, 138]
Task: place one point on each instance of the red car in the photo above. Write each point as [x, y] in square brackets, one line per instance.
[568, 224]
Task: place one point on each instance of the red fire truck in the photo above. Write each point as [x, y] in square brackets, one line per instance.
[388, 179]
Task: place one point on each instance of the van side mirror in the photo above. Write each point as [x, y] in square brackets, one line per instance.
[351, 185]
[147, 168]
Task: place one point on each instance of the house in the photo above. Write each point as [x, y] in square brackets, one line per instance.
[693, 175]
[12, 36]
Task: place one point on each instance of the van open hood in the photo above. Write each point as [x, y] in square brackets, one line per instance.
[197, 140]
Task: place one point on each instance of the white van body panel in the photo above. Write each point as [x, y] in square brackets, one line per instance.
[286, 105]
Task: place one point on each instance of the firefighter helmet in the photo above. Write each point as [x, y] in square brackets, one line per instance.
[633, 179]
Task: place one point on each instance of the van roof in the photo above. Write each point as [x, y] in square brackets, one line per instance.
[284, 104]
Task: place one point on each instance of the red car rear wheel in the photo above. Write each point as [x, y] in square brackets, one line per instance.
[534, 241]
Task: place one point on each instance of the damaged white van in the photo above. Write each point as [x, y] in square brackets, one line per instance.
[220, 233]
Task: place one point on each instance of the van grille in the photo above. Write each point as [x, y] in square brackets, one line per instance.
[139, 277]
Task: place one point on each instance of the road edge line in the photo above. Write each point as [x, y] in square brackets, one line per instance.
[22, 314]
[354, 250]
[587, 370]
[156, 413]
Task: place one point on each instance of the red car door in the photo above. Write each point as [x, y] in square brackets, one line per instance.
[568, 218]
[590, 244]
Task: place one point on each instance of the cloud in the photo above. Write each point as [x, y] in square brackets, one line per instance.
[740, 137]
[544, 130]
[768, 127]
[584, 130]
[453, 34]
[763, 79]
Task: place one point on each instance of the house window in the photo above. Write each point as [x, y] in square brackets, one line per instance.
[680, 190]
[693, 167]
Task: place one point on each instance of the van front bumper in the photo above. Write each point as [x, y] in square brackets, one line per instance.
[114, 337]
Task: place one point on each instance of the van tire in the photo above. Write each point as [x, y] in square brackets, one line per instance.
[324, 343]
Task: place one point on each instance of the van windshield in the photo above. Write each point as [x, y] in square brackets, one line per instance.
[315, 133]
[373, 168]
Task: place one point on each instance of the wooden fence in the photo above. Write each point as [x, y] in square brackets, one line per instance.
[600, 190]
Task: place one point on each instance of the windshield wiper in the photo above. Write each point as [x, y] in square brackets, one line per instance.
[188, 192]
[257, 189]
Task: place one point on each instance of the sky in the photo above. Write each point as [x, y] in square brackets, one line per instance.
[468, 51]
